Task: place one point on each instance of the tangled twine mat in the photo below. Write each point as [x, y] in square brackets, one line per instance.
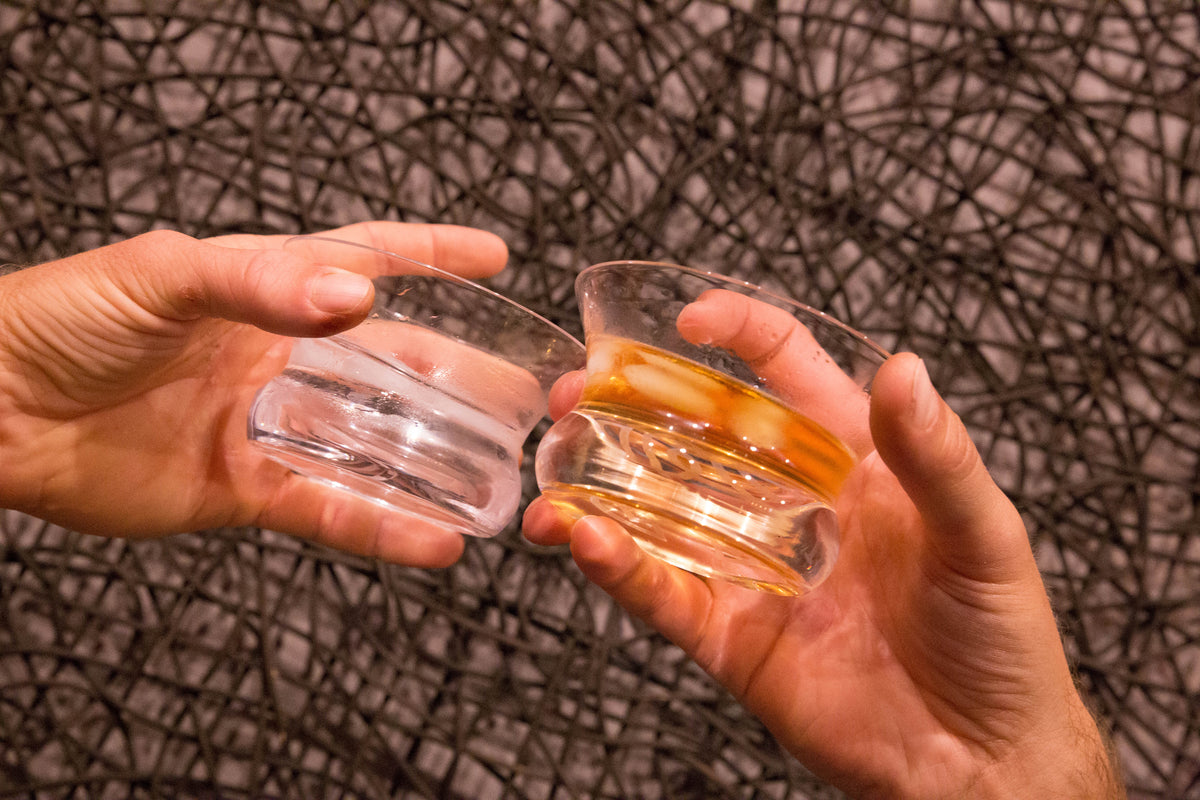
[1011, 189]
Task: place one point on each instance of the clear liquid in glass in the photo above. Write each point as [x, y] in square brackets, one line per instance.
[398, 434]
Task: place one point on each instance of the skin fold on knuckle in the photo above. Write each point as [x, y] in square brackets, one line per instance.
[163, 273]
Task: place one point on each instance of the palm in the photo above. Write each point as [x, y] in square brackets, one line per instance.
[181, 412]
[898, 671]
[867, 663]
[153, 414]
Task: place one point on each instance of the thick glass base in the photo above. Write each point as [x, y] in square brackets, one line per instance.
[702, 508]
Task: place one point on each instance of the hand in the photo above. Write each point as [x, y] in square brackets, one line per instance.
[929, 664]
[126, 374]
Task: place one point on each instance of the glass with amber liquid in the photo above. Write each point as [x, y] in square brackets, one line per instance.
[710, 425]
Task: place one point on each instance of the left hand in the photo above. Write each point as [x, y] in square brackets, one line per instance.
[126, 374]
[929, 664]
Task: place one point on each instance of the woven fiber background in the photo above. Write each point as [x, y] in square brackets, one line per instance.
[1011, 189]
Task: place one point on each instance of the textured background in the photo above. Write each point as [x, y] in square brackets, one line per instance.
[1011, 189]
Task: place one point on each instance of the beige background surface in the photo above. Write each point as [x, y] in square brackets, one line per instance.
[1010, 189]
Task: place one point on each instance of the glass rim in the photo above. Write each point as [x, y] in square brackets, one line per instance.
[718, 278]
[444, 274]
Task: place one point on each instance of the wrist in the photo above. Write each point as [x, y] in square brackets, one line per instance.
[1074, 762]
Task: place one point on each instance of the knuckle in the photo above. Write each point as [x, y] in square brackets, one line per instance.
[165, 242]
[264, 267]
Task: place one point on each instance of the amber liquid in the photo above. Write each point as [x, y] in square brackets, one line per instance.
[709, 473]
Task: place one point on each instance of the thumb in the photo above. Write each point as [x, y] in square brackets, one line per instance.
[269, 288]
[973, 525]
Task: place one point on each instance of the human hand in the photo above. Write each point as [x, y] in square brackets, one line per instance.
[126, 374]
[928, 665]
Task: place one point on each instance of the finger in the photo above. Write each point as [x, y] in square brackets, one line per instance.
[177, 277]
[465, 251]
[345, 522]
[544, 524]
[975, 527]
[784, 354]
[565, 393]
[279, 291]
[669, 599]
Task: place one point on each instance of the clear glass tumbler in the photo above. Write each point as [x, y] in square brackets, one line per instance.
[424, 406]
[718, 422]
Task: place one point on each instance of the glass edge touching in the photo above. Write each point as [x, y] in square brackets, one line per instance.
[441, 273]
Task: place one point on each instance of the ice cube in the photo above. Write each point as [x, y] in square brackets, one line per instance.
[602, 355]
[666, 388]
[759, 423]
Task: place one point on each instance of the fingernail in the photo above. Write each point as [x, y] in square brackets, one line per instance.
[925, 398]
[339, 292]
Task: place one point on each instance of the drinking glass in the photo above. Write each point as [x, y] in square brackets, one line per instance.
[426, 405]
[718, 423]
